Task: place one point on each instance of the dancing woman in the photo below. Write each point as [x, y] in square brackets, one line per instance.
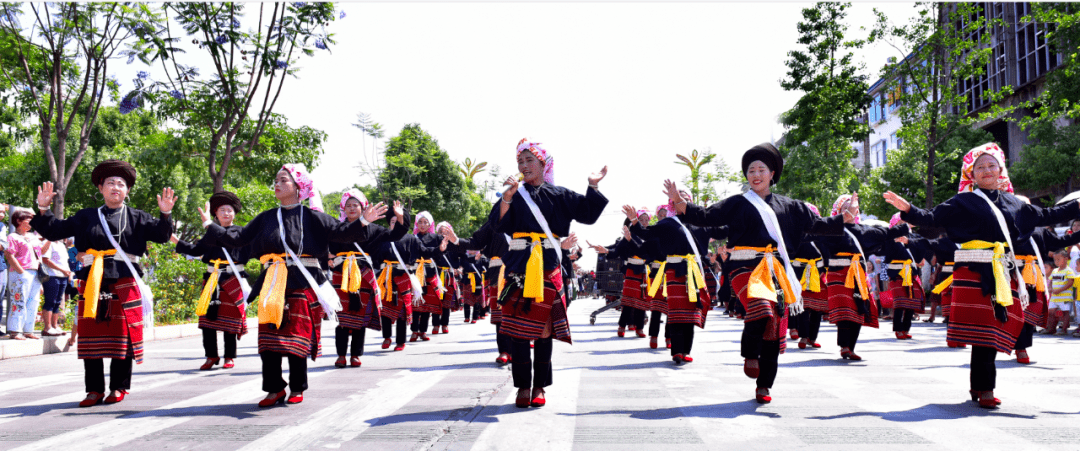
[354, 278]
[763, 228]
[221, 305]
[427, 271]
[987, 220]
[113, 306]
[449, 264]
[536, 214]
[902, 257]
[291, 301]
[809, 265]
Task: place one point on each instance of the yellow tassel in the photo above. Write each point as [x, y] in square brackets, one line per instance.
[93, 282]
[208, 289]
[272, 295]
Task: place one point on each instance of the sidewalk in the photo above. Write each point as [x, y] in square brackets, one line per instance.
[10, 349]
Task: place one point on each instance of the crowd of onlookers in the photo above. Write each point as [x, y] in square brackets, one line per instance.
[36, 278]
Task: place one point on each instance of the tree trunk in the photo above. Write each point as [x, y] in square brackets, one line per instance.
[935, 111]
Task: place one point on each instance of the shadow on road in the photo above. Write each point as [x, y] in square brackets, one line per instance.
[726, 410]
[931, 412]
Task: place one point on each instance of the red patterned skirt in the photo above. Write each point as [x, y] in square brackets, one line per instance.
[492, 292]
[470, 297]
[118, 334]
[972, 319]
[399, 307]
[842, 303]
[432, 303]
[816, 301]
[357, 310]
[1037, 308]
[300, 331]
[758, 309]
[526, 319]
[910, 298]
[680, 309]
[231, 312]
[450, 298]
[633, 292]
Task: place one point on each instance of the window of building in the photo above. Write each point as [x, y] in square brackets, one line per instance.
[877, 153]
[1034, 57]
[875, 116]
[976, 88]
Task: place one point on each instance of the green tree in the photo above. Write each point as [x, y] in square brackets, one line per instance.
[62, 61]
[422, 175]
[1049, 162]
[945, 49]
[232, 109]
[825, 121]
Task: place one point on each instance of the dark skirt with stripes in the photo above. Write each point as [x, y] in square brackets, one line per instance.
[972, 320]
[117, 331]
[758, 309]
[817, 301]
[680, 309]
[525, 318]
[227, 312]
[357, 309]
[910, 298]
[470, 297]
[300, 331]
[1035, 314]
[399, 307]
[432, 303]
[633, 295]
[450, 299]
[842, 302]
[492, 293]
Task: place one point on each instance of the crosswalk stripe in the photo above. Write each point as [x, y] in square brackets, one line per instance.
[36, 382]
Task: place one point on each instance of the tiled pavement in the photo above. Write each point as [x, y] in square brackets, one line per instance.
[609, 394]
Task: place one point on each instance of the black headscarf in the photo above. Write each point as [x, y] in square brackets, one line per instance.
[224, 198]
[767, 154]
[113, 168]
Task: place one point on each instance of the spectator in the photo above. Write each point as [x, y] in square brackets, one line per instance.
[23, 257]
[54, 260]
[3, 262]
[1061, 297]
[1074, 250]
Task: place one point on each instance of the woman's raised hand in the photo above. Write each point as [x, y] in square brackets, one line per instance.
[375, 212]
[166, 200]
[204, 212]
[596, 177]
[630, 212]
[511, 185]
[897, 201]
[45, 194]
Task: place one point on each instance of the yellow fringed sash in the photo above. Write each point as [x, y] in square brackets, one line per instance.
[1002, 290]
[93, 282]
[209, 287]
[811, 277]
[350, 272]
[272, 295]
[905, 272]
[760, 285]
[534, 269]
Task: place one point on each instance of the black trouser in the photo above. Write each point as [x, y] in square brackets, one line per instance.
[654, 325]
[502, 341]
[420, 322]
[1024, 340]
[901, 319]
[736, 305]
[387, 327]
[475, 310]
[271, 372]
[119, 374]
[440, 319]
[209, 341]
[529, 373]
[341, 338]
[983, 369]
[847, 334]
[631, 316]
[809, 324]
[767, 352]
[682, 338]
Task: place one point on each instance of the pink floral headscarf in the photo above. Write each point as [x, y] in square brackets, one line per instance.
[840, 203]
[541, 154]
[894, 220]
[305, 186]
[967, 170]
[416, 223]
[352, 193]
[644, 211]
[813, 208]
[668, 208]
[443, 224]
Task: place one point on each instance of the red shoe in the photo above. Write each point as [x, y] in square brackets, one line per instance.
[762, 396]
[355, 362]
[667, 341]
[113, 399]
[279, 398]
[538, 399]
[988, 401]
[340, 363]
[640, 334]
[503, 359]
[523, 400]
[621, 332]
[445, 330]
[907, 336]
[1022, 357]
[92, 399]
[899, 335]
[847, 354]
[953, 344]
[229, 364]
[386, 344]
[631, 327]
[687, 358]
[435, 331]
[652, 343]
[414, 336]
[474, 321]
[802, 343]
[467, 321]
[678, 358]
[399, 348]
[424, 337]
[751, 368]
[975, 395]
[794, 334]
[296, 398]
[210, 362]
[815, 344]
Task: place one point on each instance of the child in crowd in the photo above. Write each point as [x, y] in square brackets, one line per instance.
[1061, 294]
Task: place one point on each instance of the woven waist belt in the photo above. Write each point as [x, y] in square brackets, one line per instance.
[635, 261]
[88, 259]
[799, 264]
[675, 259]
[947, 269]
[337, 261]
[306, 261]
[895, 266]
[394, 265]
[747, 254]
[520, 244]
[973, 256]
[839, 262]
[225, 269]
[495, 263]
[654, 265]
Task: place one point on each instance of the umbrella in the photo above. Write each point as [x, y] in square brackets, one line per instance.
[1071, 197]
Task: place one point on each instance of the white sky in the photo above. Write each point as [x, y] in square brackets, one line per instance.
[628, 85]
